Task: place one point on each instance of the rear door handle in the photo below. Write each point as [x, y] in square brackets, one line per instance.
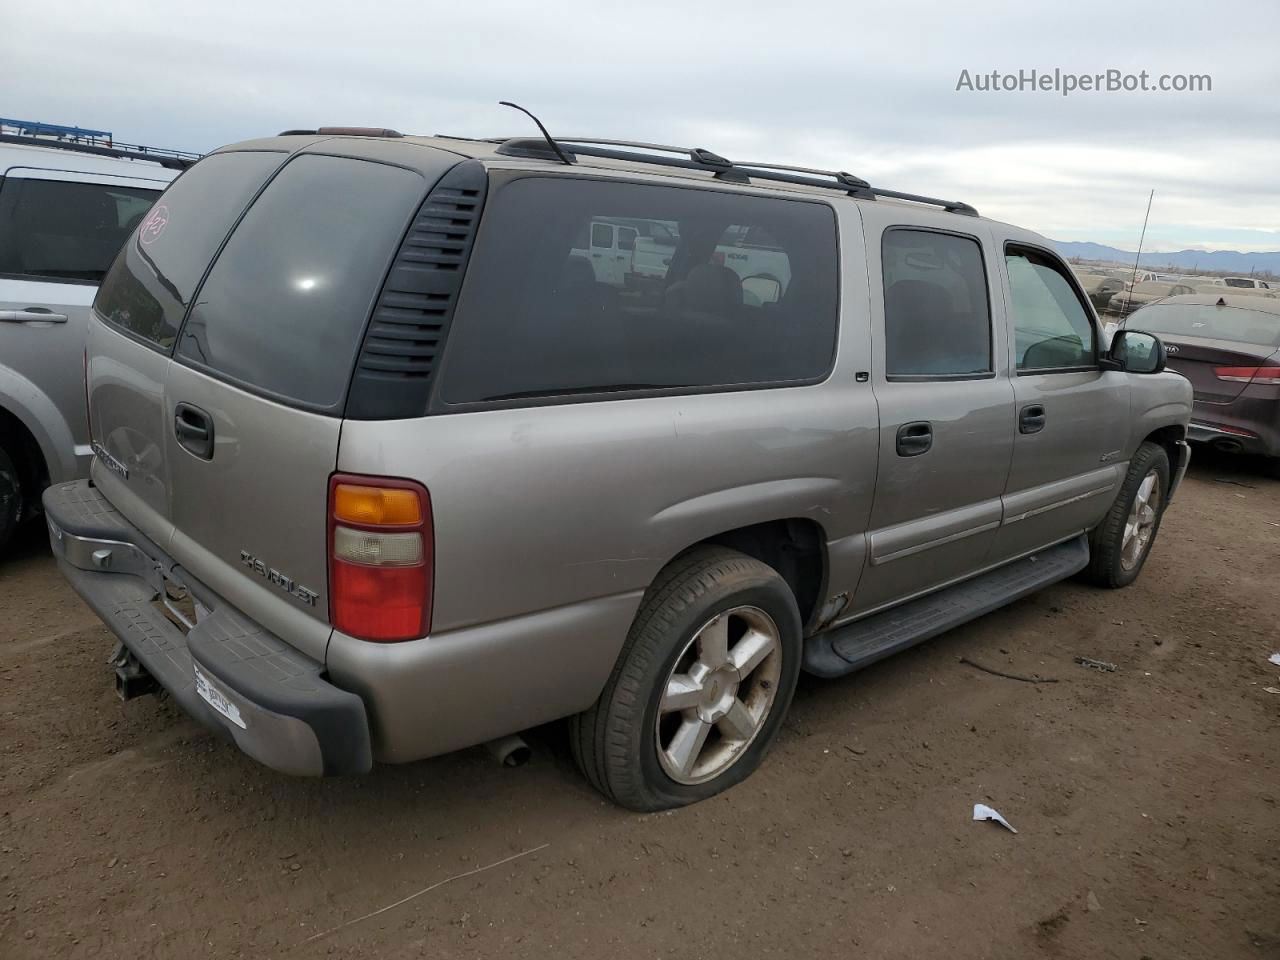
[194, 430]
[915, 438]
[1031, 418]
[32, 315]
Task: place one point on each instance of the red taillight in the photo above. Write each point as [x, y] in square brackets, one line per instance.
[1263, 374]
[380, 573]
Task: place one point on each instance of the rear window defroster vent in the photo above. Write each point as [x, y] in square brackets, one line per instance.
[411, 319]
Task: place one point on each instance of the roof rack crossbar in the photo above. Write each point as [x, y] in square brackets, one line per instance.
[173, 159]
[696, 158]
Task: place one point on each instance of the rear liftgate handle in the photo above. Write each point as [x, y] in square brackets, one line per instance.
[194, 430]
[915, 438]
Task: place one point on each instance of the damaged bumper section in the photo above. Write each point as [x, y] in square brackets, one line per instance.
[224, 670]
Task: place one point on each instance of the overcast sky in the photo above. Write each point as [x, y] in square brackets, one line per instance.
[866, 88]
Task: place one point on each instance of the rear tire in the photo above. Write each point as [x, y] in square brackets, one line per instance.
[10, 497]
[701, 687]
[1120, 545]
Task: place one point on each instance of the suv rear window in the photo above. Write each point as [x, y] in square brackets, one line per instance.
[147, 290]
[703, 307]
[284, 307]
[60, 230]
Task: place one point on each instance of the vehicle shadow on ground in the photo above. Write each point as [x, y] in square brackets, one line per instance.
[1210, 464]
[29, 542]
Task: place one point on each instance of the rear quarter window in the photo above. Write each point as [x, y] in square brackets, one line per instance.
[286, 303]
[149, 286]
[741, 291]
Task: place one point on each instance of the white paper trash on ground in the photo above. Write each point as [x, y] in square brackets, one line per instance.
[982, 812]
[1274, 658]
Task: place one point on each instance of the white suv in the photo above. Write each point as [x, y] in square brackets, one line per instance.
[65, 210]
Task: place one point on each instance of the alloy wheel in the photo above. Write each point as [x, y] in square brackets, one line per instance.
[718, 695]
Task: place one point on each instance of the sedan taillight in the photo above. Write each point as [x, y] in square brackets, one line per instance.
[1262, 374]
[381, 562]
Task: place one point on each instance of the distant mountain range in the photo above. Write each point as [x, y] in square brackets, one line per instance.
[1222, 261]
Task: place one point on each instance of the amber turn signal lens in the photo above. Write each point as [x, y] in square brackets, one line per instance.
[377, 506]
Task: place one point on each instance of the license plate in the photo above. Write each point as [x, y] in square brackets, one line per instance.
[217, 699]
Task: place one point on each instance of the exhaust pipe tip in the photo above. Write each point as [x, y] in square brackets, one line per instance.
[510, 751]
[1227, 446]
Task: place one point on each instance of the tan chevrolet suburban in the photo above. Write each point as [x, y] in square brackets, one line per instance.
[385, 467]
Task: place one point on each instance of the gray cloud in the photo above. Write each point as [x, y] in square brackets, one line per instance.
[867, 89]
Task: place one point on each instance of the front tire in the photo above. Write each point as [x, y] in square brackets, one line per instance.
[1120, 545]
[10, 497]
[701, 686]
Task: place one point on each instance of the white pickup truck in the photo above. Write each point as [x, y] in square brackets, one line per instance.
[634, 253]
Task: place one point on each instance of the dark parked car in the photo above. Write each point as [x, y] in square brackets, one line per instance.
[1229, 348]
[1100, 288]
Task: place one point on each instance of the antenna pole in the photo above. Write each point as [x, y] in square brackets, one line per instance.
[1134, 278]
[555, 147]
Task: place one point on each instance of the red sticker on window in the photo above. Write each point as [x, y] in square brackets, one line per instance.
[154, 225]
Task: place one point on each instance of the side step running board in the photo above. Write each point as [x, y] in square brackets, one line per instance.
[842, 650]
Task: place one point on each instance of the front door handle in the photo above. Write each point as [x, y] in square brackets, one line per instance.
[1031, 418]
[32, 315]
[194, 430]
[915, 438]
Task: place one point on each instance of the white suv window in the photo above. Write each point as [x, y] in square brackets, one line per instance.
[63, 230]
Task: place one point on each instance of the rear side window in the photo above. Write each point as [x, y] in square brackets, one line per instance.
[1052, 329]
[937, 314]
[689, 305]
[60, 230]
[149, 286]
[286, 302]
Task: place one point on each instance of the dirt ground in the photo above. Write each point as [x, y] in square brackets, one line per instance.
[1147, 801]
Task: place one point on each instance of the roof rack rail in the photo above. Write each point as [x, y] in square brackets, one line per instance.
[856, 186]
[97, 142]
[146, 153]
[694, 158]
[697, 158]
